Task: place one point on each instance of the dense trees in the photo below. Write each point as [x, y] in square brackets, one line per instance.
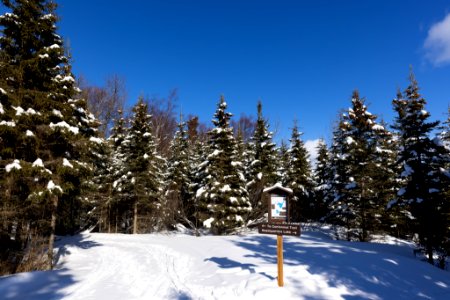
[58, 173]
[45, 134]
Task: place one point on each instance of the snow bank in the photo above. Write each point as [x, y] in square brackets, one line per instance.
[180, 266]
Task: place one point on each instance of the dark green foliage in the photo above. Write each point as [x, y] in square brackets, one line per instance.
[423, 177]
[359, 169]
[298, 178]
[322, 179]
[221, 195]
[44, 128]
[262, 165]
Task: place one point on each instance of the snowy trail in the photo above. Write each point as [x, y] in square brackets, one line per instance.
[147, 272]
[180, 266]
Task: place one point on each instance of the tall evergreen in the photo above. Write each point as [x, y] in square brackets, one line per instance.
[177, 179]
[141, 182]
[298, 178]
[322, 178]
[357, 204]
[221, 195]
[262, 170]
[423, 182]
[44, 129]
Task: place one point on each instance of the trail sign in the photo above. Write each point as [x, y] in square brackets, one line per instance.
[278, 221]
[278, 203]
[292, 229]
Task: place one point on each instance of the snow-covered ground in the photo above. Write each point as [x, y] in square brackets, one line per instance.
[182, 266]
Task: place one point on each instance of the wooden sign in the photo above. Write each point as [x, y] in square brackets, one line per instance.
[292, 229]
[278, 221]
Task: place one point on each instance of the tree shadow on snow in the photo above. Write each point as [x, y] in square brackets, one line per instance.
[226, 263]
[79, 241]
[45, 284]
[357, 266]
[39, 285]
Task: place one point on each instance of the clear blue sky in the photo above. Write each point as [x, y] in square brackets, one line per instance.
[301, 58]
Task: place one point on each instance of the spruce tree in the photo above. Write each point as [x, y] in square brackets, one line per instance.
[141, 183]
[322, 178]
[223, 199]
[358, 202]
[421, 158]
[44, 127]
[177, 178]
[298, 178]
[262, 170]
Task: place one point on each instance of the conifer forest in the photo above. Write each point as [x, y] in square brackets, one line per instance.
[73, 157]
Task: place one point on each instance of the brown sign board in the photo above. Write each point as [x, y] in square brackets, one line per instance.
[292, 229]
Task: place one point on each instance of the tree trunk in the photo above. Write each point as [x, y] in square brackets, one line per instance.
[135, 215]
[430, 254]
[52, 231]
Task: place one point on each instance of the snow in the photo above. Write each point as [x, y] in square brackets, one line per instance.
[66, 163]
[63, 124]
[96, 140]
[349, 140]
[44, 56]
[225, 188]
[377, 127]
[207, 223]
[29, 133]
[8, 123]
[52, 186]
[38, 163]
[146, 156]
[31, 111]
[2, 91]
[19, 110]
[54, 46]
[278, 186]
[57, 113]
[199, 192]
[14, 165]
[2, 111]
[182, 266]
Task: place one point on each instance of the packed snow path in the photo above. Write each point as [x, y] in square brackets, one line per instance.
[179, 266]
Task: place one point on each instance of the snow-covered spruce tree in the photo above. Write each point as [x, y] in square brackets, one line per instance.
[116, 207]
[423, 177]
[177, 178]
[357, 204]
[222, 198]
[44, 131]
[283, 164]
[140, 184]
[262, 170]
[298, 178]
[322, 179]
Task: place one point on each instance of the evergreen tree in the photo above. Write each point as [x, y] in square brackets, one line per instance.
[141, 182]
[116, 206]
[262, 170]
[357, 203]
[423, 182]
[283, 165]
[223, 199]
[298, 178]
[44, 129]
[177, 179]
[322, 178]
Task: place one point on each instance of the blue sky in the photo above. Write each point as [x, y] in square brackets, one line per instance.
[301, 58]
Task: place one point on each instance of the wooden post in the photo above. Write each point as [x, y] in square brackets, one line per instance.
[280, 259]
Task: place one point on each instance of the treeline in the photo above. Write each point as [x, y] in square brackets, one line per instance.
[60, 172]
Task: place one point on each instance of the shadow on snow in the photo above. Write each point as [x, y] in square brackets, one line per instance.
[43, 285]
[375, 269]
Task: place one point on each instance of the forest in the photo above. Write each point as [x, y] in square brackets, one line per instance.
[72, 158]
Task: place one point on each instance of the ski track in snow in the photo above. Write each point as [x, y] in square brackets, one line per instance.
[180, 266]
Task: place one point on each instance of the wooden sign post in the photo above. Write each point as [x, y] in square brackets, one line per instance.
[279, 221]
